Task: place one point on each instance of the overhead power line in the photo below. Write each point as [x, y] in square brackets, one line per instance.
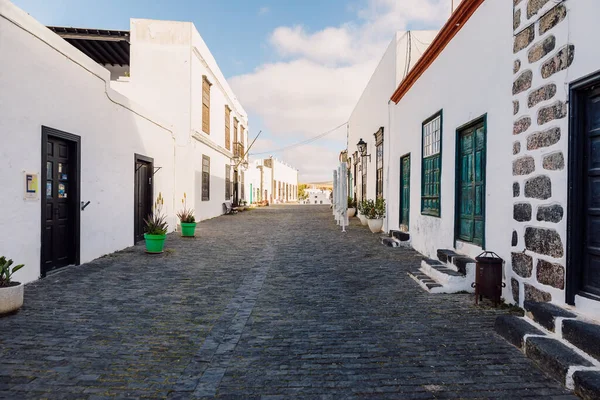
[307, 141]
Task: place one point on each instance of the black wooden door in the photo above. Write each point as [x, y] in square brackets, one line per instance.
[590, 277]
[143, 194]
[58, 241]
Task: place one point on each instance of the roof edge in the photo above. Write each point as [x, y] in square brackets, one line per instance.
[454, 24]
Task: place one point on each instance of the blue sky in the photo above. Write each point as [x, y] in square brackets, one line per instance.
[297, 66]
[234, 30]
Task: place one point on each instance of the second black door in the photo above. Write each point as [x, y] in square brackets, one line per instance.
[143, 194]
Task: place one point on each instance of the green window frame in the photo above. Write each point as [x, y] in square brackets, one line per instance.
[431, 170]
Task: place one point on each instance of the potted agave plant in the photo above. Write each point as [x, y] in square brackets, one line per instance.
[156, 228]
[11, 293]
[187, 219]
[351, 207]
[362, 211]
[375, 215]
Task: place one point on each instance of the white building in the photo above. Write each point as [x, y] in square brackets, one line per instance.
[315, 196]
[491, 147]
[271, 180]
[369, 120]
[87, 150]
[173, 72]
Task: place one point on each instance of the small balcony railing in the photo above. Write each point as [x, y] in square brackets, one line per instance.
[238, 150]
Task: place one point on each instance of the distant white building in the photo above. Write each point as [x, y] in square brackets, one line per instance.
[317, 196]
[272, 180]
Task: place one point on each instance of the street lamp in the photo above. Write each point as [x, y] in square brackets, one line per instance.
[362, 149]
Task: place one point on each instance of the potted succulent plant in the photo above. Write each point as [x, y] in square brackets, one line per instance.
[11, 293]
[351, 207]
[187, 219]
[375, 215]
[156, 228]
[362, 211]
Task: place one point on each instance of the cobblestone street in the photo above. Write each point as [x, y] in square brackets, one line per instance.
[270, 303]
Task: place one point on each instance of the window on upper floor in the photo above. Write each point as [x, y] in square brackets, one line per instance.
[227, 127]
[205, 105]
[432, 165]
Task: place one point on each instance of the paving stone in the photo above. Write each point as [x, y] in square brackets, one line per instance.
[275, 302]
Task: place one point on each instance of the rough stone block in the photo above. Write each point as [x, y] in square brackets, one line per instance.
[541, 49]
[515, 239]
[521, 125]
[523, 165]
[587, 384]
[545, 314]
[445, 255]
[514, 329]
[554, 162]
[534, 6]
[522, 264]
[544, 93]
[524, 38]
[515, 289]
[515, 107]
[552, 18]
[561, 60]
[516, 66]
[516, 19]
[516, 148]
[523, 82]
[544, 241]
[553, 357]
[539, 187]
[535, 294]
[584, 335]
[516, 189]
[550, 274]
[545, 138]
[522, 212]
[549, 113]
[551, 213]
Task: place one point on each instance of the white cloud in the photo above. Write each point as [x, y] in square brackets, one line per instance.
[320, 76]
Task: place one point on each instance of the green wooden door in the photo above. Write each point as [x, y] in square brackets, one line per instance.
[404, 191]
[471, 184]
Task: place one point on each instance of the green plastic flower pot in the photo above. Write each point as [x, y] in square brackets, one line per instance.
[155, 243]
[188, 229]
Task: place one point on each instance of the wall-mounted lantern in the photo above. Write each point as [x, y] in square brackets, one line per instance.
[362, 149]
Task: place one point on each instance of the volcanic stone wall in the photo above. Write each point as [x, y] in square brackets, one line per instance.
[542, 54]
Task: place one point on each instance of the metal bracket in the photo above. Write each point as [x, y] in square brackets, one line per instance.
[84, 205]
[156, 169]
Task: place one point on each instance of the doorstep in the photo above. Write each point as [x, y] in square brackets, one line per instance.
[452, 272]
[561, 343]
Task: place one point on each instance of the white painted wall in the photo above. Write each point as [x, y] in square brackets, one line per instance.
[46, 81]
[371, 111]
[477, 58]
[168, 61]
